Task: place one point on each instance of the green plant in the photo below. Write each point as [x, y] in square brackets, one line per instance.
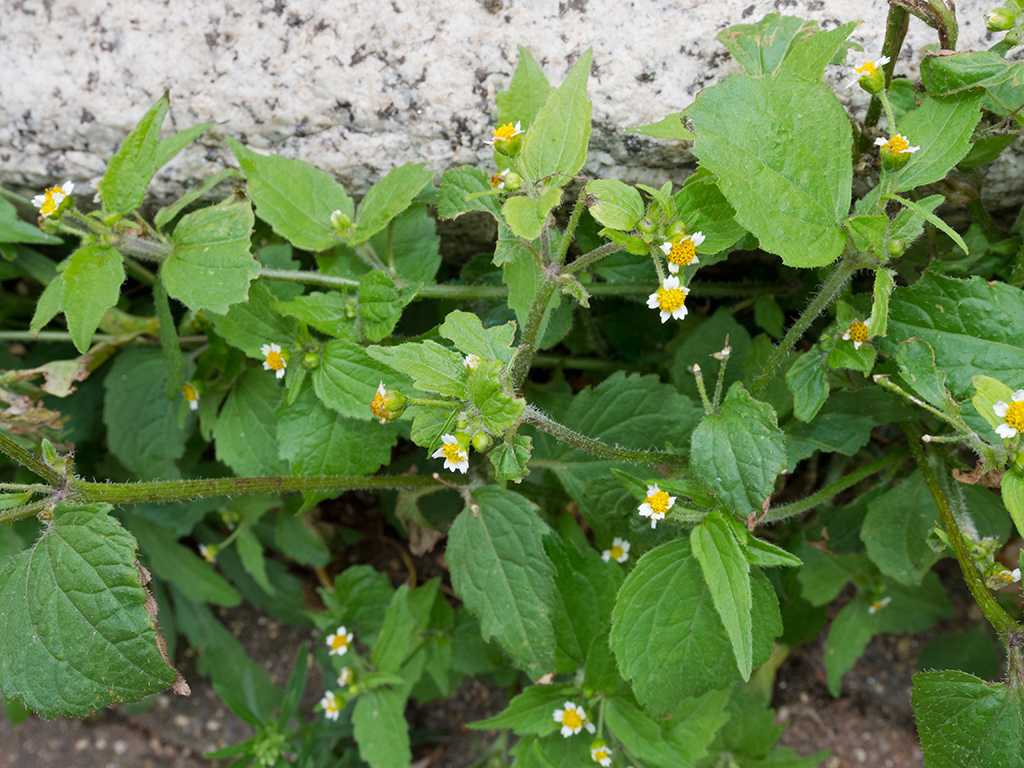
[312, 341]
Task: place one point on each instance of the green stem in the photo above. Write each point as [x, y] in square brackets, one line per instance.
[82, 492]
[20, 513]
[889, 116]
[64, 336]
[994, 612]
[895, 459]
[1017, 276]
[660, 459]
[143, 274]
[708, 408]
[829, 290]
[558, 258]
[130, 244]
[523, 360]
[896, 25]
[30, 461]
[591, 257]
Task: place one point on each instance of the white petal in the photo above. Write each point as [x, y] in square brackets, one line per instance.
[666, 248]
[665, 316]
[606, 555]
[880, 142]
[673, 268]
[280, 373]
[652, 301]
[1006, 431]
[1018, 396]
[1000, 408]
[698, 238]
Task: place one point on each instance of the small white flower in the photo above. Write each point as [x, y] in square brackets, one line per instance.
[600, 753]
[50, 200]
[669, 299]
[345, 677]
[1012, 415]
[455, 458]
[506, 132]
[209, 554]
[273, 359]
[878, 605]
[339, 642]
[619, 551]
[897, 145]
[330, 705]
[472, 361]
[682, 252]
[858, 332]
[191, 394]
[573, 720]
[867, 69]
[656, 505]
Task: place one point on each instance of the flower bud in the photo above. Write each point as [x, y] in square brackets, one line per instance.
[482, 442]
[870, 76]
[676, 231]
[388, 404]
[1000, 19]
[507, 180]
[895, 248]
[311, 360]
[341, 222]
[646, 226]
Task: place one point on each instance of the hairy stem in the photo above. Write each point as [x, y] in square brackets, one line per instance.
[30, 461]
[591, 257]
[558, 257]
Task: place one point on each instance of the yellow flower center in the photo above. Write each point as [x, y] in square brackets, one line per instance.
[599, 754]
[572, 719]
[896, 145]
[275, 360]
[505, 132]
[616, 551]
[340, 641]
[867, 69]
[659, 501]
[669, 300]
[1015, 415]
[682, 253]
[377, 406]
[50, 204]
[858, 332]
[189, 392]
[332, 704]
[497, 180]
[451, 452]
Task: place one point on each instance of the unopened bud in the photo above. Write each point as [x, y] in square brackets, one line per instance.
[311, 361]
[676, 231]
[341, 222]
[482, 442]
[1000, 19]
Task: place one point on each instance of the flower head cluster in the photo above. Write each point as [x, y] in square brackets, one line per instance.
[387, 404]
[879, 604]
[869, 76]
[682, 252]
[331, 705]
[50, 200]
[573, 720]
[209, 553]
[274, 359]
[191, 394]
[345, 677]
[456, 457]
[670, 299]
[857, 333]
[600, 753]
[1006, 576]
[619, 551]
[656, 505]
[895, 152]
[339, 642]
[1012, 415]
[471, 362]
[506, 180]
[507, 138]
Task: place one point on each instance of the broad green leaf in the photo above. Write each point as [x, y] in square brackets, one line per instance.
[807, 379]
[380, 306]
[327, 312]
[844, 354]
[868, 232]
[988, 392]
[701, 204]
[780, 148]
[14, 230]
[250, 325]
[643, 736]
[909, 224]
[667, 636]
[556, 142]
[509, 458]
[76, 635]
[669, 127]
[525, 216]
[167, 214]
[885, 282]
[895, 530]
[143, 431]
[765, 554]
[523, 276]
[295, 198]
[760, 48]
[751, 728]
[526, 93]
[727, 573]
[848, 636]
[948, 75]
[245, 434]
[500, 570]
[388, 198]
[91, 285]
[359, 600]
[615, 204]
[532, 711]
[398, 635]
[824, 575]
[178, 564]
[467, 333]
[431, 367]
[299, 541]
[169, 148]
[320, 442]
[347, 378]
[943, 129]
[695, 722]
[916, 608]
[969, 325]
[972, 652]
[132, 167]
[965, 722]
[1012, 490]
[917, 367]
[413, 241]
[738, 452]
[48, 305]
[498, 410]
[809, 56]
[380, 729]
[211, 267]
[458, 184]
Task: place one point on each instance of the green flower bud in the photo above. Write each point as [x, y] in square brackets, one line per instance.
[507, 180]
[341, 222]
[870, 76]
[482, 442]
[646, 226]
[311, 360]
[895, 248]
[676, 231]
[1000, 19]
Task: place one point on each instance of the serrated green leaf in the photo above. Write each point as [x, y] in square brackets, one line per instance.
[211, 267]
[948, 75]
[250, 325]
[91, 285]
[525, 216]
[388, 198]
[76, 635]
[809, 56]
[885, 282]
[556, 142]
[498, 410]
[965, 722]
[132, 167]
[765, 554]
[807, 379]
[1012, 489]
[615, 204]
[868, 232]
[908, 225]
[727, 573]
[898, 542]
[414, 243]
[431, 367]
[669, 127]
[467, 333]
[380, 729]
[968, 324]
[500, 570]
[667, 636]
[380, 306]
[293, 197]
[641, 735]
[347, 378]
[526, 93]
[738, 452]
[151, 440]
[48, 305]
[760, 48]
[942, 128]
[169, 148]
[509, 458]
[327, 312]
[532, 711]
[300, 542]
[848, 636]
[458, 184]
[779, 146]
[14, 230]
[245, 435]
